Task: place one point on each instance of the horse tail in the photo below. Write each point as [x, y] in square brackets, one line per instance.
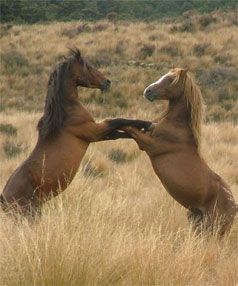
[2, 200]
[236, 207]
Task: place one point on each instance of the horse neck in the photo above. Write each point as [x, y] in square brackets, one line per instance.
[76, 111]
[179, 114]
[178, 111]
[71, 90]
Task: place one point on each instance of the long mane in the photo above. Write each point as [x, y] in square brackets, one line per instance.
[195, 103]
[56, 101]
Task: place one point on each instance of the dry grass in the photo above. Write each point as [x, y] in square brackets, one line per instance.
[120, 227]
[131, 54]
[115, 224]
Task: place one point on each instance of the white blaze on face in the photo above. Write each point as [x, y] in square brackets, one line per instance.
[155, 83]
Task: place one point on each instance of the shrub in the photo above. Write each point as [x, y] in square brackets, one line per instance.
[153, 37]
[102, 58]
[226, 94]
[98, 27]
[14, 61]
[171, 49]
[217, 76]
[205, 20]
[90, 170]
[73, 32]
[117, 156]
[12, 149]
[122, 103]
[119, 49]
[4, 30]
[200, 49]
[112, 16]
[8, 129]
[223, 59]
[147, 51]
[187, 26]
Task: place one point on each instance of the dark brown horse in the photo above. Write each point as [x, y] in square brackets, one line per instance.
[174, 150]
[65, 131]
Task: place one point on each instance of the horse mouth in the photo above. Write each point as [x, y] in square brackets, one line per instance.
[105, 85]
[150, 96]
[102, 88]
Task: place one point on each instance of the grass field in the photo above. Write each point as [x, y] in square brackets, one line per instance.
[115, 224]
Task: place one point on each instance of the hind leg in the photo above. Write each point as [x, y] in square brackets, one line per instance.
[222, 210]
[221, 219]
[22, 203]
[196, 218]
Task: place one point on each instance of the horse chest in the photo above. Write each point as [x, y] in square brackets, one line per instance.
[56, 164]
[182, 175]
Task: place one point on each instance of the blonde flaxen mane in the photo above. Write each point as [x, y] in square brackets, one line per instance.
[195, 103]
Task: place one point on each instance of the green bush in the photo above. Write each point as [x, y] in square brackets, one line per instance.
[73, 32]
[171, 49]
[8, 129]
[4, 30]
[217, 75]
[187, 26]
[205, 20]
[147, 51]
[117, 156]
[200, 49]
[12, 149]
[15, 62]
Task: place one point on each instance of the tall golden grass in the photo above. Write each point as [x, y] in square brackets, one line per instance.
[118, 227]
[115, 224]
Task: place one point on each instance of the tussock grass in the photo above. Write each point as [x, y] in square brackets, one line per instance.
[29, 53]
[119, 228]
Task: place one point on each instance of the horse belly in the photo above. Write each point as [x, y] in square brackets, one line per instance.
[184, 176]
[58, 166]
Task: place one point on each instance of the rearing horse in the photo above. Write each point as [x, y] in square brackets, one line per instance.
[174, 150]
[65, 131]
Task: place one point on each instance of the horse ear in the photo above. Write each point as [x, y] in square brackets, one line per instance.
[183, 72]
[78, 55]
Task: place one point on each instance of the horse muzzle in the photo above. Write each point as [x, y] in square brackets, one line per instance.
[150, 95]
[105, 85]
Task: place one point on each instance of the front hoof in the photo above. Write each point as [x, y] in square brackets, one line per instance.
[149, 127]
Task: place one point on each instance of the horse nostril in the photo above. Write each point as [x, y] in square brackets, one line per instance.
[108, 81]
[148, 91]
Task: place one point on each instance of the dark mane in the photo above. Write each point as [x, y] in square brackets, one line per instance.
[56, 101]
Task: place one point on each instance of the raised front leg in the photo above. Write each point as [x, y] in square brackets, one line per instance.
[109, 129]
[116, 134]
[144, 140]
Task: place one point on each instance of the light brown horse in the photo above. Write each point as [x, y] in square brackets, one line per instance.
[174, 150]
[65, 131]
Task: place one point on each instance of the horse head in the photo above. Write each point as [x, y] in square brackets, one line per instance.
[85, 75]
[169, 86]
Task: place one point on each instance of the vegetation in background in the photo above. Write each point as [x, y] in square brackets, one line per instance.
[8, 129]
[33, 11]
[131, 54]
[12, 149]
